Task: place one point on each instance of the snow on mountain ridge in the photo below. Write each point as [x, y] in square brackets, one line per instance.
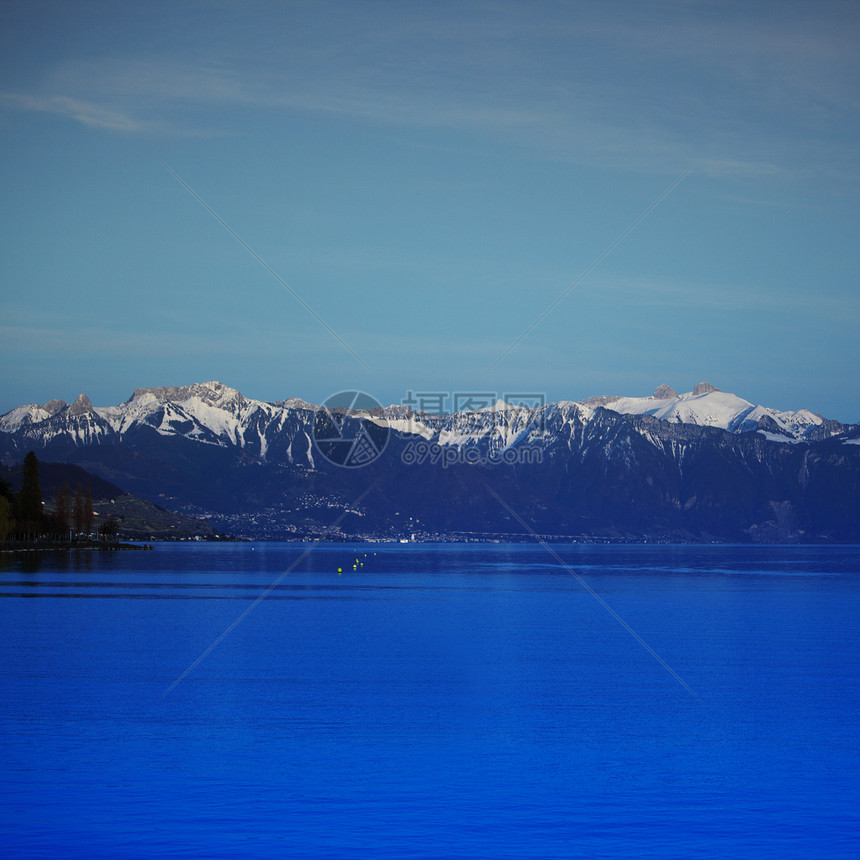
[213, 413]
[707, 406]
[211, 392]
[20, 416]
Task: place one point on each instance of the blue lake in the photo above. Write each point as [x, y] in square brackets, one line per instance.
[474, 701]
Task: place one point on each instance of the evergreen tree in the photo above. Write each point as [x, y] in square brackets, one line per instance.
[30, 498]
[6, 490]
[7, 524]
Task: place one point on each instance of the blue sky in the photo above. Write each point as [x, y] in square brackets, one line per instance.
[429, 179]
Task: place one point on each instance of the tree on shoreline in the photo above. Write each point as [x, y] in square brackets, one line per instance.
[29, 500]
[78, 514]
[59, 520]
[109, 529]
[89, 514]
[7, 524]
[24, 516]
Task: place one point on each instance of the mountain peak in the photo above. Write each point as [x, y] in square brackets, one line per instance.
[213, 393]
[664, 392]
[81, 406]
[704, 388]
[499, 406]
[52, 407]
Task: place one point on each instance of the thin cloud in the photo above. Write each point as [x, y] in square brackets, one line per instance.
[102, 118]
[88, 114]
[750, 94]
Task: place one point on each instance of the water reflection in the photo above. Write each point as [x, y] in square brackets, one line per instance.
[35, 561]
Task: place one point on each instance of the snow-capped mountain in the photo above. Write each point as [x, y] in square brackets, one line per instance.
[213, 413]
[702, 464]
[704, 406]
[707, 406]
[209, 413]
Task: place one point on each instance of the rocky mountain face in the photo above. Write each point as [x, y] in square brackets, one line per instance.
[704, 465]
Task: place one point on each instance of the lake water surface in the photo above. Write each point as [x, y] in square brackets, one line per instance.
[439, 701]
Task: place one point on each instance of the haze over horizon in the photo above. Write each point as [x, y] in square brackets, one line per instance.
[302, 198]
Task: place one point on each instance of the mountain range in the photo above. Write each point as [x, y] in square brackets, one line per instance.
[699, 466]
